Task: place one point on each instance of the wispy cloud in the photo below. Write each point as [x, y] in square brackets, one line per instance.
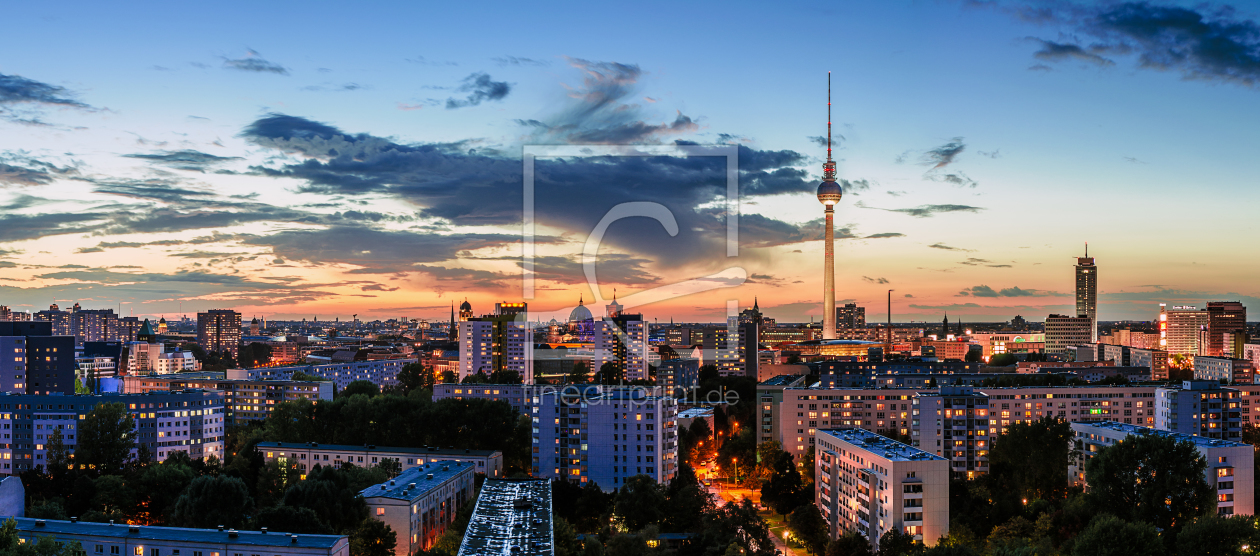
[519, 61]
[254, 62]
[927, 211]
[1014, 291]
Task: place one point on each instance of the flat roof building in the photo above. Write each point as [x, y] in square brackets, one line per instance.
[512, 517]
[1199, 408]
[870, 484]
[421, 502]
[308, 454]
[1229, 472]
[126, 540]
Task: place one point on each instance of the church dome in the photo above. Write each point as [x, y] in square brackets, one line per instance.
[465, 306]
[580, 313]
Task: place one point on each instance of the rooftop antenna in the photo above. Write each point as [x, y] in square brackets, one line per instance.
[1086, 249]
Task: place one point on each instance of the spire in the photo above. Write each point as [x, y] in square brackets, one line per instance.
[829, 168]
[755, 307]
[1086, 249]
[580, 299]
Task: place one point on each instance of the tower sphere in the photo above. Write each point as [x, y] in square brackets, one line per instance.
[829, 192]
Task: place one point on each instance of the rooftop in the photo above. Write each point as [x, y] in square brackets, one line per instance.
[417, 481]
[1199, 441]
[695, 412]
[372, 448]
[57, 528]
[512, 518]
[876, 444]
[781, 380]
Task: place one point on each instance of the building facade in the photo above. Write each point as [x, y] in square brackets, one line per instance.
[381, 372]
[127, 540]
[1229, 472]
[420, 503]
[1224, 317]
[34, 361]
[244, 400]
[603, 435]
[850, 316]
[871, 485]
[309, 454]
[1199, 408]
[1181, 326]
[1064, 332]
[1223, 369]
[514, 394]
[1087, 293]
[219, 330]
[499, 342]
[953, 423]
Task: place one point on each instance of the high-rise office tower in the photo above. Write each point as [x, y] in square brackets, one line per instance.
[851, 316]
[829, 193]
[1181, 326]
[1087, 292]
[1223, 317]
[219, 330]
[1064, 332]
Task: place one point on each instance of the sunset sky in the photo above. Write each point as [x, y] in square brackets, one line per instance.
[327, 159]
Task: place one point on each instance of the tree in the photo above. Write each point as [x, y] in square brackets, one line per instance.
[1213, 535]
[332, 496]
[288, 519]
[708, 373]
[1150, 478]
[808, 525]
[783, 490]
[300, 376]
[1003, 360]
[640, 502]
[105, 438]
[565, 537]
[579, 375]
[213, 501]
[593, 507]
[1109, 535]
[360, 387]
[161, 486]
[1027, 460]
[687, 501]
[505, 376]
[58, 456]
[850, 544]
[609, 373]
[254, 354]
[449, 377]
[414, 376]
[373, 538]
[896, 542]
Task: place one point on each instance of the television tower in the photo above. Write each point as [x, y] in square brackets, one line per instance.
[829, 193]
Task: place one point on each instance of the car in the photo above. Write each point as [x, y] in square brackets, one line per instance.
[707, 483]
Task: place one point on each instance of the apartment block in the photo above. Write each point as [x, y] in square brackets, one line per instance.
[219, 330]
[804, 410]
[127, 540]
[604, 435]
[1199, 408]
[33, 360]
[309, 454]
[953, 422]
[420, 503]
[1229, 472]
[189, 421]
[1225, 370]
[381, 372]
[870, 484]
[514, 394]
[1064, 332]
[244, 400]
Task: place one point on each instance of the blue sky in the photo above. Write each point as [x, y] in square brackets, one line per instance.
[984, 143]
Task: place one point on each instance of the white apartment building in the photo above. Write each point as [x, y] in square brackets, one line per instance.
[420, 502]
[496, 343]
[1229, 471]
[954, 423]
[1223, 369]
[623, 341]
[870, 484]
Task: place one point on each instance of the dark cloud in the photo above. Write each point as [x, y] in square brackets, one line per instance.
[254, 62]
[1201, 42]
[821, 140]
[334, 88]
[21, 227]
[1058, 52]
[15, 89]
[601, 110]
[480, 88]
[883, 235]
[958, 179]
[374, 251]
[854, 187]
[21, 169]
[464, 186]
[1015, 291]
[611, 268]
[926, 211]
[378, 288]
[947, 247]
[880, 280]
[519, 61]
[943, 155]
[184, 160]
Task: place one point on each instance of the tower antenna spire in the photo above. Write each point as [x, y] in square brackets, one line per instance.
[829, 168]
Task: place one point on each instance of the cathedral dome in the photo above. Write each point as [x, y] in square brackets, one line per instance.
[580, 313]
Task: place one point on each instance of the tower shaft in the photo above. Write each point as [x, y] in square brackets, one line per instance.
[829, 278]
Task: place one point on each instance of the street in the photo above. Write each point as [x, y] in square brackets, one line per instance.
[724, 494]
